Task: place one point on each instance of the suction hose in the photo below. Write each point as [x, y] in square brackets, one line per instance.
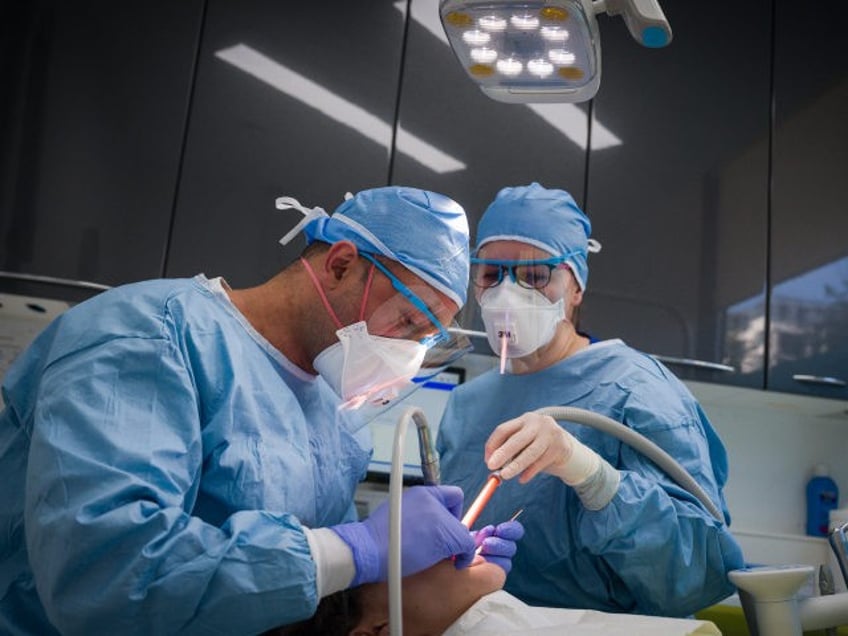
[645, 446]
[430, 469]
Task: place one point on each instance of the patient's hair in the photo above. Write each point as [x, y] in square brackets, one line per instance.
[337, 615]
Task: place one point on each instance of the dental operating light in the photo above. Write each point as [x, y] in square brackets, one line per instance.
[535, 51]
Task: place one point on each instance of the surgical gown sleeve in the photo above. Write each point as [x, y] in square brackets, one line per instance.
[671, 554]
[114, 469]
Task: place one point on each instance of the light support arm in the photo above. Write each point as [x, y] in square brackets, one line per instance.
[644, 19]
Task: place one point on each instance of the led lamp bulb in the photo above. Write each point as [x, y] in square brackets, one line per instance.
[494, 23]
[554, 34]
[525, 21]
[510, 67]
[540, 67]
[562, 57]
[476, 37]
[484, 55]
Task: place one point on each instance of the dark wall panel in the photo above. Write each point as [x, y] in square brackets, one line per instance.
[94, 106]
[681, 204]
[290, 99]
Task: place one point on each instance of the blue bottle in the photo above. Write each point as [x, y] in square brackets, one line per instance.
[822, 497]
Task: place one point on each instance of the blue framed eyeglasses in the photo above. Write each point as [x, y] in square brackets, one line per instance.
[530, 273]
[416, 301]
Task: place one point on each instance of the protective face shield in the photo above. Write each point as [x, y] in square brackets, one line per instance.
[362, 368]
[439, 357]
[365, 369]
[519, 320]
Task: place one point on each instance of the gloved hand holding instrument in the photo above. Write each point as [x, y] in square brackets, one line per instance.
[431, 532]
[496, 544]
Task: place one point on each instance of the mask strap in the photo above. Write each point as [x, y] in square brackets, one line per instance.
[367, 291]
[321, 293]
[309, 214]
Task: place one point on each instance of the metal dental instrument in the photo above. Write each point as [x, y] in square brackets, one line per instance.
[426, 450]
[482, 499]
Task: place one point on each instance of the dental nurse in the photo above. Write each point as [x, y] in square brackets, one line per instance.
[605, 528]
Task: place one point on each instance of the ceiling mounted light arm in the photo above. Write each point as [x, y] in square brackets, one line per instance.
[644, 19]
[533, 51]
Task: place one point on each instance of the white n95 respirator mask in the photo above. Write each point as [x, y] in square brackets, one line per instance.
[519, 320]
[366, 369]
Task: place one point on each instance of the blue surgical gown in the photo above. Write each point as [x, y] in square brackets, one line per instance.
[653, 549]
[158, 462]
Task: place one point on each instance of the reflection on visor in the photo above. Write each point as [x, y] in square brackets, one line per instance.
[444, 353]
[438, 358]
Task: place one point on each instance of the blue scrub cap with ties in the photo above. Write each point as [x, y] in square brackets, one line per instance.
[424, 231]
[545, 218]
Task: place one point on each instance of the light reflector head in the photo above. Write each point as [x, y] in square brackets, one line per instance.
[526, 51]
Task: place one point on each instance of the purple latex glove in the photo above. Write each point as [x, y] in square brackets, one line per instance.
[430, 532]
[497, 544]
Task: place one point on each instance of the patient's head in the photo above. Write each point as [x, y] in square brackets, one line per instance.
[432, 601]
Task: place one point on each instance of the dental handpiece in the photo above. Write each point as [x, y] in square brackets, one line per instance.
[482, 499]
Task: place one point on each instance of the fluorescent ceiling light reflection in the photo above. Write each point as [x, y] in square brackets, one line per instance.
[568, 119]
[572, 122]
[341, 110]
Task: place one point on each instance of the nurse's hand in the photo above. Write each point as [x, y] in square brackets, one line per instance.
[535, 443]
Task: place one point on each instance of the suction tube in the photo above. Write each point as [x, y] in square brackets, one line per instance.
[430, 469]
[645, 446]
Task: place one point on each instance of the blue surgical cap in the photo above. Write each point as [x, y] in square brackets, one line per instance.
[545, 218]
[424, 231]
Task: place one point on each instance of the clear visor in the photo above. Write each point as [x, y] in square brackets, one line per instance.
[410, 314]
[439, 357]
[445, 353]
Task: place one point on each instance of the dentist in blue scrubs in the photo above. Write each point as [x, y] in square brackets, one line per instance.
[605, 529]
[178, 456]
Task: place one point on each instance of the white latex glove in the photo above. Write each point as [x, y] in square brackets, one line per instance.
[536, 443]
